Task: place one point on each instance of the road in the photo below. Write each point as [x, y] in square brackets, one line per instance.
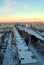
[10, 52]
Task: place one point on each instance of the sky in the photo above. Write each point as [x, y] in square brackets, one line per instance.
[21, 10]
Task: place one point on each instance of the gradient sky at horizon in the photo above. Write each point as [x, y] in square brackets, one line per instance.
[21, 10]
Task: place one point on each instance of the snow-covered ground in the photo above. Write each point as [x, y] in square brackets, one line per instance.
[21, 44]
[0, 34]
[39, 57]
[10, 52]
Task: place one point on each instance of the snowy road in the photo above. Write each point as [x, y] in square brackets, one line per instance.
[7, 54]
[8, 57]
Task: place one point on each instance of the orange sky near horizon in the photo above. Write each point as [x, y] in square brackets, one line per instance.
[21, 10]
[22, 19]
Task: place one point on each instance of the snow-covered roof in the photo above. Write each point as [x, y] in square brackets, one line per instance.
[42, 33]
[31, 32]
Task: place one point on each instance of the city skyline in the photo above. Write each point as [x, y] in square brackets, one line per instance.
[21, 10]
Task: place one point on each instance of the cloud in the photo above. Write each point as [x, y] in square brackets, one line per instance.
[26, 6]
[9, 2]
[4, 10]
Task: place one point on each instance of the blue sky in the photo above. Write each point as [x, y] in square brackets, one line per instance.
[21, 9]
